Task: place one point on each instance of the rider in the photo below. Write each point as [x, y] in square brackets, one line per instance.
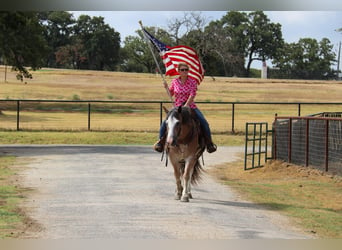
[184, 90]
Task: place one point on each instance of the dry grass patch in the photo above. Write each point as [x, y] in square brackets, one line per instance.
[312, 198]
[87, 84]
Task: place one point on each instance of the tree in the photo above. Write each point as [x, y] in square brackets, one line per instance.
[138, 57]
[190, 30]
[307, 59]
[226, 45]
[21, 42]
[241, 36]
[71, 55]
[190, 26]
[58, 33]
[101, 43]
[264, 39]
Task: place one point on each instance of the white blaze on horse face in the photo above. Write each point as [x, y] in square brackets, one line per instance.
[171, 123]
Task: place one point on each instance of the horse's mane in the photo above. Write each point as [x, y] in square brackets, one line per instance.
[184, 112]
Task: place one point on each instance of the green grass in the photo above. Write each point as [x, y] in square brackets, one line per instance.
[105, 138]
[10, 197]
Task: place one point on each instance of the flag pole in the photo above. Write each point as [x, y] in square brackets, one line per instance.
[155, 60]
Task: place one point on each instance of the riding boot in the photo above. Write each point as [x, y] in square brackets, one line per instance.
[159, 145]
[211, 147]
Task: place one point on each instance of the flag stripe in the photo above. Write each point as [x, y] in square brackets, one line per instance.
[172, 56]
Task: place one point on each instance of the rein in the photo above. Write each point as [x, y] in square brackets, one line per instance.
[166, 151]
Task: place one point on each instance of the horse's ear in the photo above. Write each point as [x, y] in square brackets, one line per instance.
[165, 110]
[180, 109]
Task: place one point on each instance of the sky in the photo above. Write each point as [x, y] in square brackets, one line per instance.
[295, 24]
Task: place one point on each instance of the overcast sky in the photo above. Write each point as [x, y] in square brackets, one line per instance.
[295, 24]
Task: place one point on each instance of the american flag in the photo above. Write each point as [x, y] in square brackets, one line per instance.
[172, 56]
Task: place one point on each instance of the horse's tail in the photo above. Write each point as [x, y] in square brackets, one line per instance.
[197, 173]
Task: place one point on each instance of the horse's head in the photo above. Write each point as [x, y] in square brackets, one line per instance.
[176, 118]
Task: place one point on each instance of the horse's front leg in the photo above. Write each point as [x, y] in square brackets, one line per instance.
[177, 174]
[189, 168]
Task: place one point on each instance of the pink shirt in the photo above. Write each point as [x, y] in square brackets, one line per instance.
[181, 92]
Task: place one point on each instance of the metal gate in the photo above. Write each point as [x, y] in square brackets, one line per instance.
[256, 144]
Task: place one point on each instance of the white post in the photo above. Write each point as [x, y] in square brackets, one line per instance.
[264, 70]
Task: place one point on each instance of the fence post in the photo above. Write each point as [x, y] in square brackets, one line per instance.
[233, 118]
[274, 137]
[326, 145]
[299, 109]
[18, 115]
[246, 145]
[89, 116]
[260, 135]
[161, 112]
[307, 143]
[290, 141]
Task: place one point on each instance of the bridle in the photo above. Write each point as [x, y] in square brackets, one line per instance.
[179, 124]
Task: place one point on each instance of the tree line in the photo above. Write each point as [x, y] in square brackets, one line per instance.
[227, 47]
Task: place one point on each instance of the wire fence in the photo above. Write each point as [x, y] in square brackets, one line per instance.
[309, 141]
[140, 116]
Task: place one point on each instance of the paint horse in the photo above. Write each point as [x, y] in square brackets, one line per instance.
[184, 146]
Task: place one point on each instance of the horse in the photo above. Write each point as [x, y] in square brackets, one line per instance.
[184, 146]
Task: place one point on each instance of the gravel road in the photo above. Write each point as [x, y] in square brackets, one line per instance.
[126, 192]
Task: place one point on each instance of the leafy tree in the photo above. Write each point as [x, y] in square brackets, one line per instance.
[21, 42]
[238, 36]
[58, 32]
[226, 43]
[138, 57]
[307, 59]
[264, 39]
[101, 43]
[71, 56]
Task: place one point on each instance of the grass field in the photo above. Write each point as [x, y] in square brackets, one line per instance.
[12, 219]
[314, 203]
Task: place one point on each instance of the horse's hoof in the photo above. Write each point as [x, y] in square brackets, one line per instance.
[190, 196]
[185, 199]
[177, 196]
